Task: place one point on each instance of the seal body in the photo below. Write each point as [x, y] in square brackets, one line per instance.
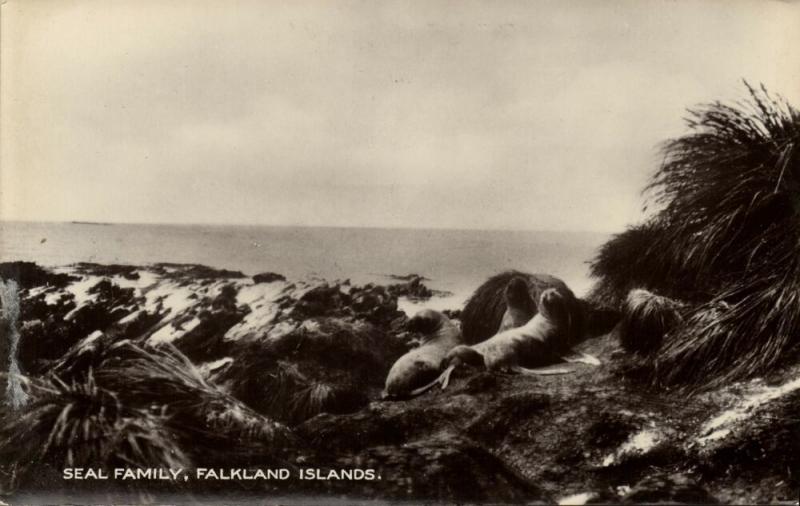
[541, 341]
[488, 311]
[424, 363]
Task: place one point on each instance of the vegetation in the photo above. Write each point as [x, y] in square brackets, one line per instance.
[135, 407]
[725, 240]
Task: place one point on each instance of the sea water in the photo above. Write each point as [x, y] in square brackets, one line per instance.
[457, 261]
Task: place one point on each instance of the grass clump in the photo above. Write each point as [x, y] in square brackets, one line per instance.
[135, 407]
[726, 239]
[82, 424]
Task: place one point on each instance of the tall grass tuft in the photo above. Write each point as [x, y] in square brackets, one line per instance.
[634, 259]
[729, 228]
[81, 424]
[205, 418]
[646, 319]
[278, 389]
[136, 407]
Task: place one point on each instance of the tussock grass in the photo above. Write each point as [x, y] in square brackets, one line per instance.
[136, 407]
[632, 260]
[646, 319]
[82, 424]
[729, 228]
[279, 390]
[206, 419]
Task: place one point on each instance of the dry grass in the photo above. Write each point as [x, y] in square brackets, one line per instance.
[84, 425]
[138, 408]
[729, 228]
[646, 319]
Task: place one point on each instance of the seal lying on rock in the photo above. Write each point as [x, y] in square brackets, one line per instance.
[543, 340]
[487, 309]
[420, 365]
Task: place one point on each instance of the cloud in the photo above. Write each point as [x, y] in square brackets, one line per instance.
[438, 114]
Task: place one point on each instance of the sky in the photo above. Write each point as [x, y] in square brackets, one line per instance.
[436, 114]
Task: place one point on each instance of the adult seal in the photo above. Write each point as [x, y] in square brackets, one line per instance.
[419, 366]
[544, 340]
[520, 307]
[488, 308]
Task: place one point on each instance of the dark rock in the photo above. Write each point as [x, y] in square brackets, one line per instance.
[453, 314]
[195, 271]
[268, 277]
[670, 489]
[29, 275]
[611, 430]
[320, 301]
[489, 437]
[373, 303]
[110, 270]
[413, 288]
[206, 341]
[408, 277]
[47, 333]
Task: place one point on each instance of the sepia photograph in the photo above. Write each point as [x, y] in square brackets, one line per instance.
[399, 252]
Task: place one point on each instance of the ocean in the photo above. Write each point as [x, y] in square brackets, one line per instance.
[457, 261]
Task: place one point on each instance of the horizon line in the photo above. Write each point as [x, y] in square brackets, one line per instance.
[290, 225]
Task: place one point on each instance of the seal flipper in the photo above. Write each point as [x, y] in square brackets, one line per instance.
[542, 371]
[445, 377]
[581, 358]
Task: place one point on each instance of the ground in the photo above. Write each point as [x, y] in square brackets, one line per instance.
[313, 356]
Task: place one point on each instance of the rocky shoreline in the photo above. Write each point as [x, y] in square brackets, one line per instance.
[302, 364]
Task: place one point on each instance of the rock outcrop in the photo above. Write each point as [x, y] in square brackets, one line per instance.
[307, 360]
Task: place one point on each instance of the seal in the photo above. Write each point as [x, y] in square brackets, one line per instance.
[542, 341]
[486, 311]
[417, 367]
[520, 307]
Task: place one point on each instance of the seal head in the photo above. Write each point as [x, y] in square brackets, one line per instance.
[520, 306]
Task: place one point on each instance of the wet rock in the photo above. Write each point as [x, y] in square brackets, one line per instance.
[611, 430]
[320, 301]
[29, 275]
[316, 357]
[370, 302]
[453, 314]
[108, 270]
[205, 340]
[195, 271]
[49, 330]
[756, 438]
[268, 277]
[413, 288]
[375, 303]
[670, 489]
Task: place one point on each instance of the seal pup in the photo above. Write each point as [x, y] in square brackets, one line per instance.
[417, 367]
[543, 340]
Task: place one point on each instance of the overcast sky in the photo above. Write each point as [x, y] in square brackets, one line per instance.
[520, 115]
